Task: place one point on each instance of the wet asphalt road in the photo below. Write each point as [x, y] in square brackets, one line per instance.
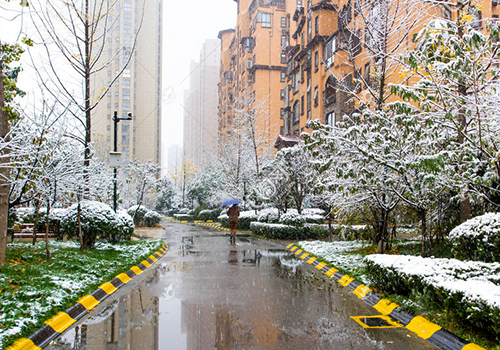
[208, 293]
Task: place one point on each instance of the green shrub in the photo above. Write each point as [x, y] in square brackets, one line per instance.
[137, 213]
[315, 231]
[276, 231]
[98, 222]
[477, 238]
[209, 214]
[152, 218]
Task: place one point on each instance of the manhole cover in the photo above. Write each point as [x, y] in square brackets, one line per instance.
[376, 322]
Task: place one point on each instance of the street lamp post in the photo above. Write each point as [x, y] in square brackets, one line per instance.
[115, 149]
[244, 193]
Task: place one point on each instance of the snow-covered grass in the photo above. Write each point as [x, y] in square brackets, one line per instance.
[32, 289]
[339, 254]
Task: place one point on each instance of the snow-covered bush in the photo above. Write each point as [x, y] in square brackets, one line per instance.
[55, 221]
[353, 232]
[469, 291]
[293, 219]
[152, 218]
[137, 213]
[125, 225]
[183, 217]
[477, 238]
[98, 222]
[269, 215]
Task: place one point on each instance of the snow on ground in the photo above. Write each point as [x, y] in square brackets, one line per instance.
[337, 253]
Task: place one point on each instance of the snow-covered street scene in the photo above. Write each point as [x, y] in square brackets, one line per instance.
[249, 174]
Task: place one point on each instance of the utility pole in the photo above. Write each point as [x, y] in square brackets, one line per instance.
[115, 150]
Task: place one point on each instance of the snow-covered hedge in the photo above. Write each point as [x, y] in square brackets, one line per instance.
[98, 221]
[469, 291]
[244, 220]
[282, 231]
[478, 238]
[183, 217]
[292, 217]
[209, 214]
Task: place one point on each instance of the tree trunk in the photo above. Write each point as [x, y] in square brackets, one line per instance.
[37, 210]
[47, 250]
[330, 231]
[79, 218]
[4, 173]
[423, 219]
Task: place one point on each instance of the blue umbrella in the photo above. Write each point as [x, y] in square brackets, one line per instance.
[230, 202]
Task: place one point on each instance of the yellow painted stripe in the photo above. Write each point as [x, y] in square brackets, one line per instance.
[310, 261]
[108, 288]
[346, 280]
[320, 265]
[331, 272]
[123, 277]
[361, 291]
[60, 322]
[298, 252]
[137, 270]
[472, 346]
[24, 344]
[305, 255]
[88, 302]
[294, 249]
[422, 327]
[145, 263]
[385, 307]
[152, 257]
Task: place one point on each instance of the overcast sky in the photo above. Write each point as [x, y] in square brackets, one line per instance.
[187, 25]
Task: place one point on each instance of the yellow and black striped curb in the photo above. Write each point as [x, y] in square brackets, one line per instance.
[64, 319]
[211, 225]
[419, 325]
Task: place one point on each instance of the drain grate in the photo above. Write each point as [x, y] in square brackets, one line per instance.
[376, 321]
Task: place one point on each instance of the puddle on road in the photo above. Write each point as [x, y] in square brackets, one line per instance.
[207, 293]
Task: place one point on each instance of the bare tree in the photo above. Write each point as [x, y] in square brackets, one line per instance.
[74, 36]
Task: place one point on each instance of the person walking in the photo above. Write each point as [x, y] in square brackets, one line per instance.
[233, 213]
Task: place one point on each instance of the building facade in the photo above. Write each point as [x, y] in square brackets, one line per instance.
[253, 69]
[134, 45]
[200, 105]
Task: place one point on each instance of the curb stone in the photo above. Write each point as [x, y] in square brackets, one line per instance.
[419, 325]
[64, 319]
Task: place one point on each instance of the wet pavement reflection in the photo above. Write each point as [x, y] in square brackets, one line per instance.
[209, 293]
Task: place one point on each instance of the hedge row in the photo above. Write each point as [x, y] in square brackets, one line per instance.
[281, 231]
[473, 312]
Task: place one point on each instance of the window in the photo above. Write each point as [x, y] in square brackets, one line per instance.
[127, 7]
[108, 127]
[315, 97]
[283, 77]
[330, 119]
[282, 95]
[447, 12]
[126, 83]
[116, 105]
[330, 94]
[316, 25]
[127, 17]
[284, 22]
[329, 51]
[316, 61]
[302, 105]
[299, 3]
[296, 112]
[126, 106]
[108, 117]
[283, 58]
[356, 42]
[125, 139]
[125, 128]
[284, 41]
[264, 19]
[126, 95]
[477, 17]
[117, 94]
[126, 73]
[127, 29]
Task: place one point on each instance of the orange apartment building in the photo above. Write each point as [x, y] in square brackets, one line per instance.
[319, 59]
[335, 61]
[253, 67]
